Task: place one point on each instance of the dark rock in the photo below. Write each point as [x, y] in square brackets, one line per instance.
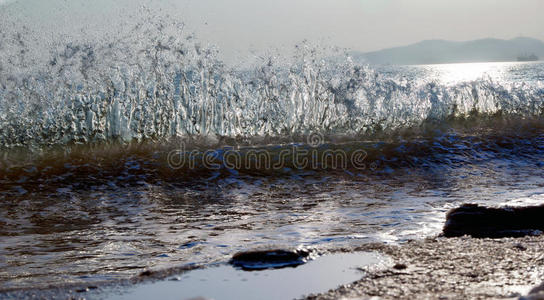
[537, 289]
[520, 247]
[536, 293]
[146, 273]
[484, 222]
[270, 259]
[400, 267]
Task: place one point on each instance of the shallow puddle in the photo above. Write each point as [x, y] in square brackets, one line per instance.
[226, 282]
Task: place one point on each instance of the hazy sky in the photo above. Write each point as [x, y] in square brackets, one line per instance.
[364, 24]
[239, 25]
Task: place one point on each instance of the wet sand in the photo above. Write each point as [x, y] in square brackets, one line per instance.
[433, 268]
[451, 268]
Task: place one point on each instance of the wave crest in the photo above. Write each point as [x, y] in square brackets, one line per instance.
[157, 82]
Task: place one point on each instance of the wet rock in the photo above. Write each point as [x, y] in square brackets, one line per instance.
[536, 293]
[146, 273]
[538, 289]
[270, 259]
[520, 247]
[484, 222]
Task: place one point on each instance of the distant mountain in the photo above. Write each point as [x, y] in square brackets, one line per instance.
[441, 51]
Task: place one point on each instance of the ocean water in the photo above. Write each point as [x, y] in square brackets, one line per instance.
[149, 152]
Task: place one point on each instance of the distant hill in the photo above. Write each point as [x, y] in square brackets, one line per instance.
[441, 51]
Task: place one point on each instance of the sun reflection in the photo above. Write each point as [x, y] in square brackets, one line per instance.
[467, 72]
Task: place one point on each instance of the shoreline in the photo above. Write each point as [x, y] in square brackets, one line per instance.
[451, 268]
[483, 253]
[431, 268]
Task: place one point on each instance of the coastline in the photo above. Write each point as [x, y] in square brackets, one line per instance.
[451, 268]
[431, 268]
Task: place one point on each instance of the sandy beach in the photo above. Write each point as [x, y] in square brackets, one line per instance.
[452, 268]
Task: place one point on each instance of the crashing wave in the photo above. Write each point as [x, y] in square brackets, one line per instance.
[158, 83]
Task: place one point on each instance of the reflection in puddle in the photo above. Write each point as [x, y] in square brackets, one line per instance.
[226, 282]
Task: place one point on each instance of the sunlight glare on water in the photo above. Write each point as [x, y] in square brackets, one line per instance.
[460, 73]
[456, 73]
